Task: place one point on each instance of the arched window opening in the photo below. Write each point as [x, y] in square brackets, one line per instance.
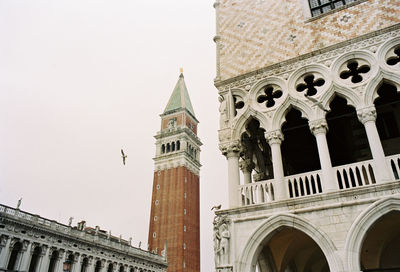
[35, 259]
[347, 140]
[84, 264]
[53, 261]
[178, 145]
[381, 246]
[168, 147]
[97, 268]
[298, 252]
[388, 118]
[163, 149]
[110, 268]
[173, 146]
[68, 264]
[256, 152]
[299, 147]
[121, 268]
[15, 255]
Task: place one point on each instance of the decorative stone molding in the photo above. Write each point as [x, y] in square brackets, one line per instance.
[274, 137]
[318, 126]
[367, 114]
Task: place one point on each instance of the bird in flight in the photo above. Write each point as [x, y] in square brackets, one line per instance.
[123, 156]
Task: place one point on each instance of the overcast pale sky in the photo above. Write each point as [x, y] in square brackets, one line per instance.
[81, 79]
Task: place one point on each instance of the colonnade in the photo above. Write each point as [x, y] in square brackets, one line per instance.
[367, 116]
[20, 257]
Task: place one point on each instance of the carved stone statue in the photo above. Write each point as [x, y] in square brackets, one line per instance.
[19, 203]
[172, 123]
[224, 244]
[223, 110]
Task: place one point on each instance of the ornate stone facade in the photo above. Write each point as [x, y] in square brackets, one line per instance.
[32, 243]
[311, 107]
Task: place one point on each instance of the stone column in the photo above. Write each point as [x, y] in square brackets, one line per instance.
[91, 264]
[45, 259]
[5, 243]
[319, 128]
[232, 154]
[367, 117]
[26, 256]
[77, 263]
[62, 257]
[275, 139]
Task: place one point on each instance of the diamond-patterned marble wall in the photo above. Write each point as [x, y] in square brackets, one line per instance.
[257, 33]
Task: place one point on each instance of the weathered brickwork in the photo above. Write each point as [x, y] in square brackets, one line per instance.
[255, 34]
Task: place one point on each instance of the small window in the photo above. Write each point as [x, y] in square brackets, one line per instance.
[168, 147]
[184, 195]
[158, 186]
[178, 145]
[156, 202]
[173, 146]
[184, 228]
[184, 245]
[154, 234]
[163, 149]
[155, 218]
[184, 211]
[319, 7]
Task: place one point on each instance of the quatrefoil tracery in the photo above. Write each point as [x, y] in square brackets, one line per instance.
[238, 104]
[271, 94]
[354, 71]
[393, 60]
[310, 85]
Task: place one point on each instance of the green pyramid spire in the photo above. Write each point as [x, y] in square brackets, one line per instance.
[179, 98]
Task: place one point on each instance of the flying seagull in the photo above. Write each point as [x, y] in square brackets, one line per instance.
[216, 207]
[123, 156]
[316, 102]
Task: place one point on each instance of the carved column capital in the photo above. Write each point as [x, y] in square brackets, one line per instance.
[367, 114]
[230, 149]
[319, 126]
[274, 137]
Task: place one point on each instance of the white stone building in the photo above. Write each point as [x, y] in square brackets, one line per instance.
[32, 243]
[309, 124]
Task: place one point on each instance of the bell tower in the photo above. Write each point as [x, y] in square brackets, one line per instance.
[175, 205]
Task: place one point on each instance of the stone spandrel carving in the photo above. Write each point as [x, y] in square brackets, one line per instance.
[366, 115]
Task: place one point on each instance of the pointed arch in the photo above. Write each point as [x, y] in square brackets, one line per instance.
[372, 87]
[352, 98]
[279, 116]
[268, 228]
[239, 125]
[362, 224]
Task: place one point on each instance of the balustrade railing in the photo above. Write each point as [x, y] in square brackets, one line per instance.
[394, 164]
[347, 176]
[304, 184]
[256, 193]
[355, 174]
